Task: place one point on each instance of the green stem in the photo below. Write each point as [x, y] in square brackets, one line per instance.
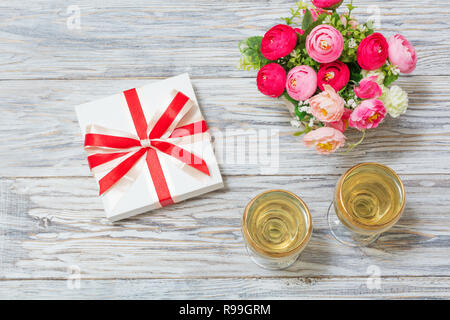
[354, 145]
[350, 8]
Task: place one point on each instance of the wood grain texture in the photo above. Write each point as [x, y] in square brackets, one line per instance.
[257, 288]
[51, 220]
[161, 38]
[62, 225]
[50, 142]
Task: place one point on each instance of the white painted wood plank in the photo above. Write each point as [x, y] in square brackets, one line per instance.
[270, 288]
[40, 136]
[162, 38]
[50, 224]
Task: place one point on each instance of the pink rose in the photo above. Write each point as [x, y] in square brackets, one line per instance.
[368, 88]
[301, 83]
[367, 115]
[324, 44]
[299, 31]
[278, 42]
[317, 12]
[325, 140]
[327, 106]
[372, 52]
[271, 80]
[327, 4]
[342, 124]
[335, 74]
[402, 54]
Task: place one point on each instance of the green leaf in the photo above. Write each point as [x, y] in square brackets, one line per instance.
[251, 56]
[288, 97]
[300, 115]
[389, 79]
[307, 19]
[336, 17]
[350, 7]
[355, 72]
[299, 133]
[295, 13]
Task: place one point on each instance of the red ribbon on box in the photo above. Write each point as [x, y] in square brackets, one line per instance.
[105, 147]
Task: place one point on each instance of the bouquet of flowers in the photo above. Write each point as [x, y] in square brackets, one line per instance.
[335, 72]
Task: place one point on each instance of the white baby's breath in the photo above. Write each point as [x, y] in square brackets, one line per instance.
[395, 70]
[351, 103]
[362, 28]
[352, 43]
[295, 123]
[303, 106]
[304, 109]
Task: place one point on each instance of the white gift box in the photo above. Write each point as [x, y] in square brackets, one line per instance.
[121, 200]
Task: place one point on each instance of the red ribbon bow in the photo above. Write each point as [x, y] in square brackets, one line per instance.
[149, 142]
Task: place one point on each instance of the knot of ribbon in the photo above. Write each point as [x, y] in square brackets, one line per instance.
[117, 152]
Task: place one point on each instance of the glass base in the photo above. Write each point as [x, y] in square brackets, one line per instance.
[271, 264]
[345, 236]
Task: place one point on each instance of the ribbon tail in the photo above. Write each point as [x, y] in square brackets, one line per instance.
[118, 172]
[183, 155]
[159, 181]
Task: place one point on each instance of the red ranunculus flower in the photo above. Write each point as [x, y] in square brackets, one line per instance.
[336, 74]
[373, 52]
[271, 80]
[278, 42]
[327, 4]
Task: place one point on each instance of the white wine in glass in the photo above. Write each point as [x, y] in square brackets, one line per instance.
[368, 200]
[276, 226]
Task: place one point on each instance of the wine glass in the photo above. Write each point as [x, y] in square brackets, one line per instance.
[368, 200]
[277, 226]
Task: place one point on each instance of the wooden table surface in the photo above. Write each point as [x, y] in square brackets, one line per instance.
[52, 226]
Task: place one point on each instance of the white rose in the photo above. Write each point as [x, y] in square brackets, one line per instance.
[395, 100]
[378, 73]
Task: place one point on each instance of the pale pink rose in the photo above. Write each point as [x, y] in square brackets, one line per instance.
[325, 140]
[342, 124]
[327, 106]
[368, 88]
[367, 115]
[402, 54]
[301, 83]
[324, 44]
